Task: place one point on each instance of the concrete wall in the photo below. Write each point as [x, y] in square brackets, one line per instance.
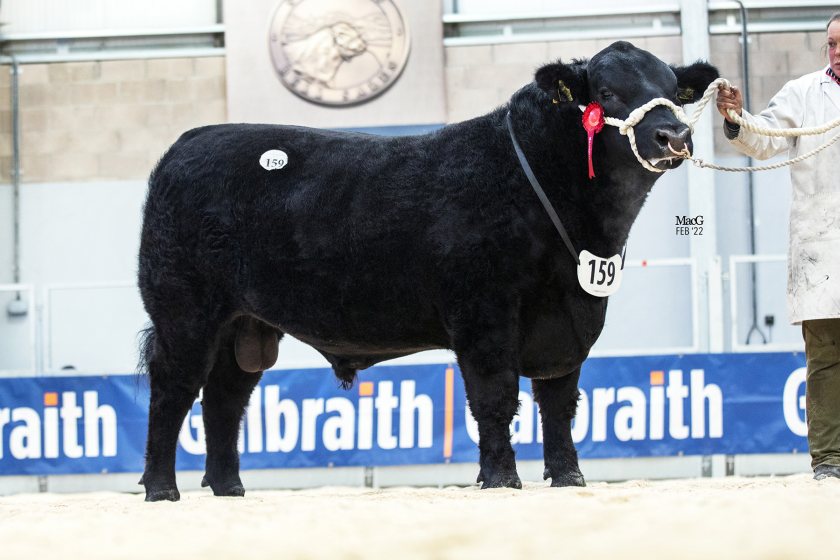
[89, 121]
[481, 77]
[256, 94]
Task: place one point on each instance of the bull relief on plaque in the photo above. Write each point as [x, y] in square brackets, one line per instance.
[338, 52]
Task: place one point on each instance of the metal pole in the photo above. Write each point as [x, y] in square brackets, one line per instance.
[16, 307]
[745, 67]
[15, 70]
[694, 17]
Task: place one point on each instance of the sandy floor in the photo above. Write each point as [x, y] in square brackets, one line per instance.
[788, 517]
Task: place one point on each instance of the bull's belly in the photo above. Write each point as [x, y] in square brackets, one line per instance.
[359, 325]
[342, 335]
[357, 354]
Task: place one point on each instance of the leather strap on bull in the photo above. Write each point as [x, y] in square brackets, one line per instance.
[526, 167]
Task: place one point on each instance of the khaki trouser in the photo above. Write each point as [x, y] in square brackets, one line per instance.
[822, 389]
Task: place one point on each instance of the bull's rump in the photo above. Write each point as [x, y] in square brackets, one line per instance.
[349, 245]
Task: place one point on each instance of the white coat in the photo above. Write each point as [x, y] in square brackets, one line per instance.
[813, 287]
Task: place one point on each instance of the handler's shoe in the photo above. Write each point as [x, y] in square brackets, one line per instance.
[825, 471]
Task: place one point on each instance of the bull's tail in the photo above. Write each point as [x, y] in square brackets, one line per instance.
[147, 349]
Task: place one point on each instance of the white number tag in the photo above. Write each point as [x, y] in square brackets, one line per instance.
[599, 276]
[274, 159]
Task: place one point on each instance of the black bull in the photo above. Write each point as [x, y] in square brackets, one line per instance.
[368, 248]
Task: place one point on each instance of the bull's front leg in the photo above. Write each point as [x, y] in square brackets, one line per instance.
[493, 398]
[557, 399]
[486, 354]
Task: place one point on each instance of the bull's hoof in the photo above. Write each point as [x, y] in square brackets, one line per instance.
[502, 480]
[170, 494]
[570, 478]
[232, 488]
[236, 490]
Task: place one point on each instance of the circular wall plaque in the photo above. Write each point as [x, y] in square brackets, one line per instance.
[338, 52]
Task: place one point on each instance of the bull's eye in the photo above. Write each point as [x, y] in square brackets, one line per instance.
[605, 94]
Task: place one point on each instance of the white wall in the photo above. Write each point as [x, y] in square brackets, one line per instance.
[81, 240]
[88, 233]
[80, 232]
[83, 234]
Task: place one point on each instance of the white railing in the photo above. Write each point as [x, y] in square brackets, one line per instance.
[737, 346]
[94, 45]
[695, 311]
[626, 21]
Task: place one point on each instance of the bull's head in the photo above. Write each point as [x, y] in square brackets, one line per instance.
[622, 78]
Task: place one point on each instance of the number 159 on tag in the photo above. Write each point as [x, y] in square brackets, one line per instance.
[599, 276]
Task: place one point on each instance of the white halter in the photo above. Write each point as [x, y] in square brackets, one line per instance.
[625, 127]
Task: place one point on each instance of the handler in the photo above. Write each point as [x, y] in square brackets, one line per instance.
[813, 298]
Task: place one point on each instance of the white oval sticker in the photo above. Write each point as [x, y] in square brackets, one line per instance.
[274, 159]
[599, 276]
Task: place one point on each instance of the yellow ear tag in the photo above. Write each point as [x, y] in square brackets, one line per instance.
[564, 91]
[685, 94]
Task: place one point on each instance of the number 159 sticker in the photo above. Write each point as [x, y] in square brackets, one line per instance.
[599, 276]
[274, 159]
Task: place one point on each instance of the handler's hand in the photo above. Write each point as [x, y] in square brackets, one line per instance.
[729, 99]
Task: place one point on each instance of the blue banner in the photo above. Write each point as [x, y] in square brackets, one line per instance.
[629, 407]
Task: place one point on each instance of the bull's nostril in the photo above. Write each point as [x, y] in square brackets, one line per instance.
[676, 139]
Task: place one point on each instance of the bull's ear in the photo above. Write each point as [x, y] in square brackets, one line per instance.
[564, 82]
[693, 80]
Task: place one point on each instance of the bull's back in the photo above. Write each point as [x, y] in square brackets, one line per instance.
[330, 180]
[337, 235]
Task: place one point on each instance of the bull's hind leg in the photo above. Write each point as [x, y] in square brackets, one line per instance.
[178, 368]
[557, 399]
[247, 343]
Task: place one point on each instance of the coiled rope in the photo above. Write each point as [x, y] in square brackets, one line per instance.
[625, 128]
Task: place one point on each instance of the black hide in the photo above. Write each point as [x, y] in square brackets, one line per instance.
[368, 248]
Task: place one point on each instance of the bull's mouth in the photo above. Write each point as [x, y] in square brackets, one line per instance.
[666, 162]
[670, 161]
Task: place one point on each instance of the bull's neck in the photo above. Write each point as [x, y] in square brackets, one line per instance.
[599, 212]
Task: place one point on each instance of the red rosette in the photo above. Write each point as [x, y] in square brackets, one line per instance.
[593, 122]
[593, 118]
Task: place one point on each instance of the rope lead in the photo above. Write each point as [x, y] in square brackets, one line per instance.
[625, 128]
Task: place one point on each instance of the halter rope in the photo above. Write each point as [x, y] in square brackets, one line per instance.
[625, 128]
